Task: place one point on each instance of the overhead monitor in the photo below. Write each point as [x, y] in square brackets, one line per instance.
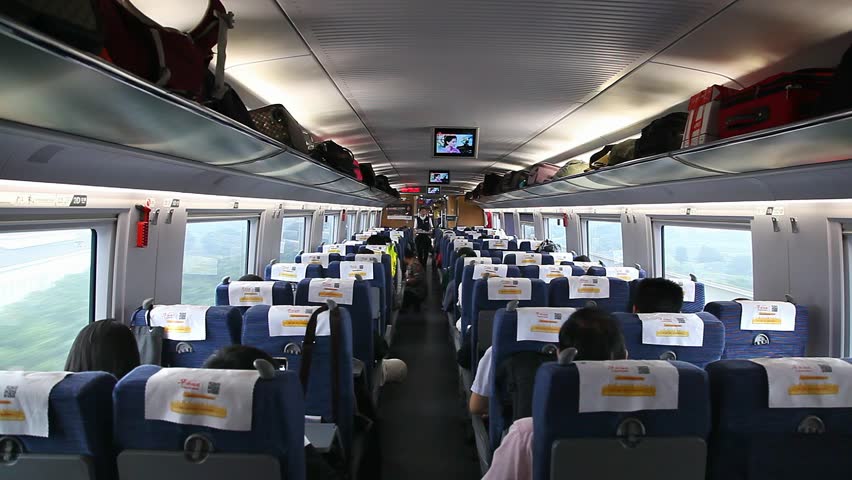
[439, 177]
[433, 190]
[455, 142]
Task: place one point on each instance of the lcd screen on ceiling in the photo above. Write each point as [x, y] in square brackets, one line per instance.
[433, 190]
[454, 142]
[439, 177]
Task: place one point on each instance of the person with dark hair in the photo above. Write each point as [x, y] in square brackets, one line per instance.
[657, 295]
[415, 282]
[104, 346]
[597, 336]
[237, 357]
[377, 239]
[449, 142]
[423, 225]
[363, 250]
[582, 258]
[250, 277]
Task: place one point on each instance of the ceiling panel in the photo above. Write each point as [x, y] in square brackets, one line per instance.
[511, 68]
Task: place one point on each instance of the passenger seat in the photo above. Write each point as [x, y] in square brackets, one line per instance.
[762, 339]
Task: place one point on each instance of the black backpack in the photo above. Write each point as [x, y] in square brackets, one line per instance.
[838, 96]
[664, 134]
[515, 377]
[491, 185]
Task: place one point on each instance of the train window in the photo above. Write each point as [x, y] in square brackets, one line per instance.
[528, 230]
[212, 250]
[556, 232]
[603, 242]
[496, 221]
[362, 225]
[329, 229]
[350, 225]
[292, 238]
[373, 222]
[47, 278]
[721, 258]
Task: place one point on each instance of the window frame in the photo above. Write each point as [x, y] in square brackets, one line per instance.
[546, 220]
[584, 230]
[306, 234]
[335, 231]
[523, 232]
[207, 216]
[716, 223]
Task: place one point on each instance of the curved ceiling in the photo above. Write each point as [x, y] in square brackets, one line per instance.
[543, 79]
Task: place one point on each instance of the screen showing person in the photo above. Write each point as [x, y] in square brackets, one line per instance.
[439, 177]
[434, 190]
[454, 142]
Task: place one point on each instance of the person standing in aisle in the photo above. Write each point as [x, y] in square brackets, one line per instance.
[423, 226]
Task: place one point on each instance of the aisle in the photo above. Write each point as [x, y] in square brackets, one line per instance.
[423, 427]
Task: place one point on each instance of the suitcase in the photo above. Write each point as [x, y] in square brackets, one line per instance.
[337, 157]
[542, 173]
[620, 153]
[664, 134]
[230, 105]
[369, 177]
[517, 179]
[572, 167]
[505, 183]
[838, 95]
[73, 22]
[383, 184]
[275, 121]
[491, 185]
[780, 99]
[702, 124]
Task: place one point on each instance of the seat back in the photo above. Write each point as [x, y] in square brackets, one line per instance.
[78, 445]
[760, 340]
[617, 301]
[500, 244]
[537, 331]
[509, 271]
[528, 245]
[249, 294]
[156, 449]
[223, 327]
[492, 294]
[550, 271]
[321, 259]
[568, 423]
[525, 259]
[710, 350]
[378, 287]
[752, 440]
[360, 312]
[258, 332]
[291, 272]
[693, 294]
[385, 260]
[461, 262]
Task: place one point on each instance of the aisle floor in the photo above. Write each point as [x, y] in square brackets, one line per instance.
[423, 425]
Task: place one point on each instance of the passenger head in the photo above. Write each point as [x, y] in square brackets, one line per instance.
[237, 357]
[465, 252]
[582, 258]
[409, 256]
[251, 278]
[594, 333]
[424, 211]
[655, 295]
[449, 140]
[378, 240]
[104, 346]
[365, 250]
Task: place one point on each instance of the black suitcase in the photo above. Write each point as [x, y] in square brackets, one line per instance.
[74, 22]
[518, 179]
[368, 174]
[276, 122]
[335, 156]
[382, 183]
[491, 185]
[838, 95]
[230, 105]
[664, 134]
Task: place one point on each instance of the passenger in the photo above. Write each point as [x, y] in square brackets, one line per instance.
[251, 278]
[597, 336]
[363, 250]
[415, 283]
[242, 357]
[104, 346]
[423, 241]
[658, 295]
[582, 258]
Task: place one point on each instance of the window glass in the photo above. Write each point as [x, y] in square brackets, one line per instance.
[46, 280]
[363, 224]
[350, 225]
[292, 238]
[604, 242]
[495, 221]
[212, 250]
[720, 258]
[528, 231]
[556, 232]
[329, 229]
[372, 220]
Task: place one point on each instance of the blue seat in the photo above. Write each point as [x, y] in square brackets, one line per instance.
[493, 244]
[527, 245]
[361, 315]
[759, 343]
[714, 341]
[277, 430]
[600, 271]
[282, 294]
[534, 271]
[512, 259]
[467, 294]
[459, 268]
[386, 263]
[504, 344]
[556, 419]
[483, 310]
[378, 282]
[452, 252]
[318, 398]
[311, 271]
[79, 445]
[618, 301]
[224, 326]
[332, 257]
[754, 442]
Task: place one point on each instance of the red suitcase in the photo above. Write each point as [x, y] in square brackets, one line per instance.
[778, 100]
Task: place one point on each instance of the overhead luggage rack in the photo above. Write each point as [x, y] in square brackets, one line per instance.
[804, 160]
[68, 117]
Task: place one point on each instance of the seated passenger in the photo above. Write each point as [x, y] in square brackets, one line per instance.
[582, 258]
[658, 295]
[415, 282]
[547, 247]
[597, 336]
[251, 278]
[104, 346]
[364, 250]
